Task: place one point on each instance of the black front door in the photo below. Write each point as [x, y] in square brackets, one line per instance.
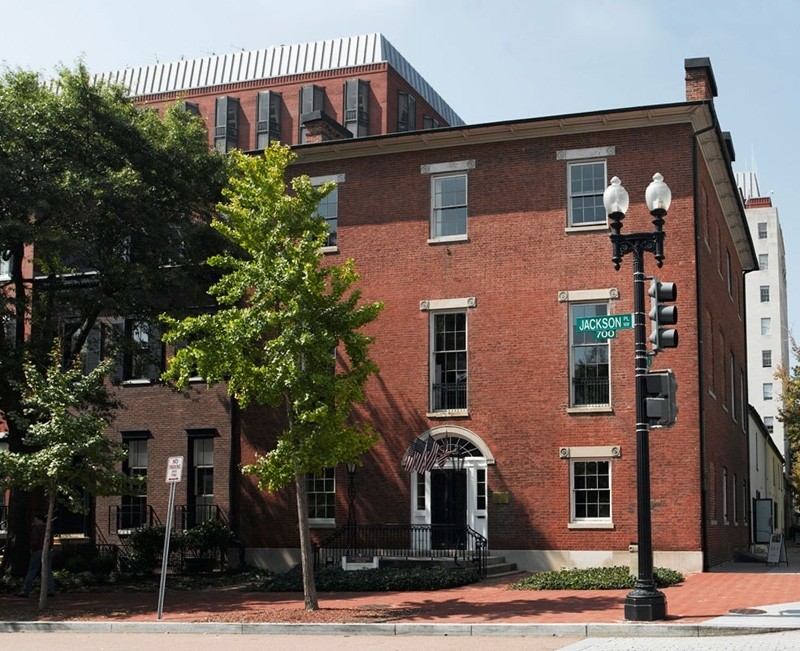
[449, 509]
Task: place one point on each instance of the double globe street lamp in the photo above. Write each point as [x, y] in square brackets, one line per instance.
[644, 602]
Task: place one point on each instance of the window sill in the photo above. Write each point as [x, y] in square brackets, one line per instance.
[448, 413]
[447, 239]
[322, 524]
[591, 525]
[591, 228]
[591, 409]
[137, 382]
[330, 249]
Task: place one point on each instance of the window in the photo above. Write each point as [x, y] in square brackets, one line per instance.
[448, 206]
[587, 182]
[766, 358]
[762, 230]
[591, 490]
[356, 107]
[744, 501]
[449, 361]
[764, 293]
[191, 107]
[734, 486]
[133, 511]
[91, 351]
[321, 491]
[420, 491]
[201, 499]
[480, 493]
[143, 357]
[766, 391]
[732, 381]
[406, 111]
[590, 359]
[769, 423]
[766, 325]
[312, 100]
[725, 495]
[763, 261]
[328, 209]
[728, 275]
[429, 122]
[268, 119]
[5, 264]
[226, 124]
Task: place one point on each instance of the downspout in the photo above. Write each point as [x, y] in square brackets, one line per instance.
[701, 349]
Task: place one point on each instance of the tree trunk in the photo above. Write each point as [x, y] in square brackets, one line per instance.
[306, 558]
[46, 560]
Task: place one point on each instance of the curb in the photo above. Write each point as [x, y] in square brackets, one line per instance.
[400, 629]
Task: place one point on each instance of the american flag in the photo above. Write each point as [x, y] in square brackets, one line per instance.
[423, 455]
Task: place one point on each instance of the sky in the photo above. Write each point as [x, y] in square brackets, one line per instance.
[491, 60]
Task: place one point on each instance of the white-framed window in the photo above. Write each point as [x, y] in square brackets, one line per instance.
[769, 423]
[202, 488]
[763, 261]
[766, 325]
[725, 496]
[744, 502]
[133, 510]
[590, 494]
[449, 370]
[766, 358]
[733, 386]
[321, 490]
[5, 265]
[586, 183]
[143, 358]
[406, 111]
[728, 274]
[328, 208]
[763, 292]
[766, 391]
[448, 206]
[762, 230]
[734, 486]
[590, 378]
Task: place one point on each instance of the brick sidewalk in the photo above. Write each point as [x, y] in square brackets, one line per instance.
[699, 598]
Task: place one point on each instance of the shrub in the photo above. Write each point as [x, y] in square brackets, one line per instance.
[147, 546]
[597, 578]
[207, 538]
[382, 579]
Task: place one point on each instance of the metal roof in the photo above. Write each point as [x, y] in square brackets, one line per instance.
[273, 62]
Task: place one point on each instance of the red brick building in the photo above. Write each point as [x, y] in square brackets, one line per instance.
[486, 242]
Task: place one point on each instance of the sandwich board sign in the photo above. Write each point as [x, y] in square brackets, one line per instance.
[777, 550]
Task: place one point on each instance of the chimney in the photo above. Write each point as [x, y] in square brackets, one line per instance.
[700, 83]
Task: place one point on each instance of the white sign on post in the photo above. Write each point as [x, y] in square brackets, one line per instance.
[174, 470]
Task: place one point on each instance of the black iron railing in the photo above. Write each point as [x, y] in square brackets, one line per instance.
[459, 543]
[590, 391]
[125, 518]
[450, 395]
[186, 517]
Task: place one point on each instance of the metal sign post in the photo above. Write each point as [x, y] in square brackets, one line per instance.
[174, 476]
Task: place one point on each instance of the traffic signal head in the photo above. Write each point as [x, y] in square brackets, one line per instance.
[660, 403]
[663, 315]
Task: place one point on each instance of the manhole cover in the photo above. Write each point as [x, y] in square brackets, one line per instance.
[747, 611]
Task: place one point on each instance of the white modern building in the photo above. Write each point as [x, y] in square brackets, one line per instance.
[767, 313]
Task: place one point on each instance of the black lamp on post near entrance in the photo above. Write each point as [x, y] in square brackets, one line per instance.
[351, 511]
[644, 602]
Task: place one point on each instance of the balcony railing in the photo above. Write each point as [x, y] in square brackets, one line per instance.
[590, 391]
[451, 395]
[459, 543]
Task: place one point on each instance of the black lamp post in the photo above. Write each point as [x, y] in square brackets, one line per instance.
[351, 511]
[644, 602]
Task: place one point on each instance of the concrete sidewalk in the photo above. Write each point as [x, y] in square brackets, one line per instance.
[734, 599]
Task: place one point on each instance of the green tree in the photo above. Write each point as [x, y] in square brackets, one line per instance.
[282, 314]
[789, 415]
[64, 414]
[104, 211]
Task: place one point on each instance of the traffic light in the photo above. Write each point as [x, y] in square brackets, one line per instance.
[660, 403]
[662, 315]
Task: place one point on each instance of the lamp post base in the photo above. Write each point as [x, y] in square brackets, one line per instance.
[645, 605]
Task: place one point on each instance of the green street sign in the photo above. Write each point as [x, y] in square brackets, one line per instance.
[606, 326]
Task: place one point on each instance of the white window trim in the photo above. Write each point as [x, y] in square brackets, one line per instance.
[324, 523]
[577, 297]
[585, 155]
[459, 237]
[446, 168]
[444, 306]
[338, 179]
[590, 523]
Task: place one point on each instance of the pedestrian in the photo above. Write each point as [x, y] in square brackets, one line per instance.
[35, 565]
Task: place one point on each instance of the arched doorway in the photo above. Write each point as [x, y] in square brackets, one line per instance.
[454, 492]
